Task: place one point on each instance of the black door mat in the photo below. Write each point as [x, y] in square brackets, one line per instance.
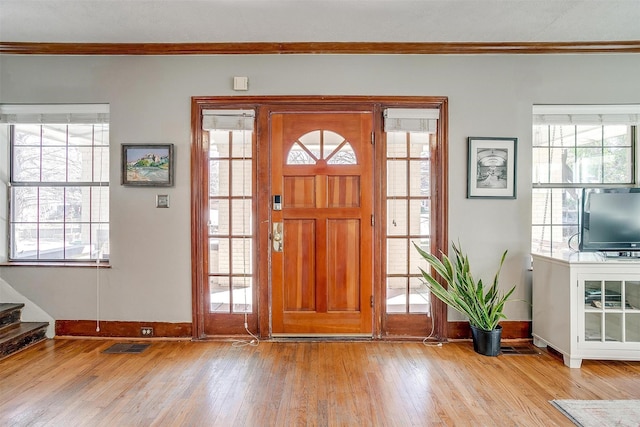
[126, 348]
[520, 350]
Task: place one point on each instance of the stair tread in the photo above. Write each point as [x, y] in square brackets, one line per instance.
[19, 329]
[9, 306]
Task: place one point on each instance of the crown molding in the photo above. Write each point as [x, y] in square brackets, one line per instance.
[352, 48]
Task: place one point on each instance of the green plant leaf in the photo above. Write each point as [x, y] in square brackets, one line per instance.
[483, 307]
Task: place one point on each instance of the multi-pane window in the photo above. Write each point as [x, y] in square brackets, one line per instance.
[230, 212]
[409, 134]
[408, 221]
[571, 151]
[59, 187]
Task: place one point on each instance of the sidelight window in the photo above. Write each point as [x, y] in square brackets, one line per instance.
[409, 134]
[230, 251]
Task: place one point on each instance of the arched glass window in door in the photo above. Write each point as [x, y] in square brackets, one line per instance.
[321, 145]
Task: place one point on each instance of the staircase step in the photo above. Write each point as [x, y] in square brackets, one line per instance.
[10, 313]
[19, 336]
[10, 306]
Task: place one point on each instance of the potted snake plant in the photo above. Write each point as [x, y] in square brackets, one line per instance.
[482, 306]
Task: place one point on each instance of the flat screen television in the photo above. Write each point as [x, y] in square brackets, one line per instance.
[610, 220]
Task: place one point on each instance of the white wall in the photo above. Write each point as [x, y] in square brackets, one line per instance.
[150, 278]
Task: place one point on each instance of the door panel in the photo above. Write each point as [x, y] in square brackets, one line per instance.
[299, 265]
[343, 191]
[343, 278]
[299, 191]
[321, 164]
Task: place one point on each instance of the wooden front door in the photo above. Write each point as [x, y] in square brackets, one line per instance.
[322, 232]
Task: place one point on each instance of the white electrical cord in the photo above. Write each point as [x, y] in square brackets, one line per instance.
[430, 340]
[99, 254]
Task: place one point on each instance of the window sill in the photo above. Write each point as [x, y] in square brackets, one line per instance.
[55, 264]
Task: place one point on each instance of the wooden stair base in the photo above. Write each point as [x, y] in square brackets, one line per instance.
[16, 335]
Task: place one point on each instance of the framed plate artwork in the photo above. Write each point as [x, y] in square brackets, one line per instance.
[491, 171]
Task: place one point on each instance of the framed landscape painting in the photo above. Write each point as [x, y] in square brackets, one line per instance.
[147, 165]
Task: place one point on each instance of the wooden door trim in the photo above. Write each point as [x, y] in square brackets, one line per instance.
[197, 222]
[263, 105]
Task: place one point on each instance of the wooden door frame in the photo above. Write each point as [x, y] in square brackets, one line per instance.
[402, 325]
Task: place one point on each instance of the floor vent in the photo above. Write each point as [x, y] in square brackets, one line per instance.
[126, 348]
[515, 351]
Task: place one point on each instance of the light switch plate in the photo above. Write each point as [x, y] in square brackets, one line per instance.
[162, 201]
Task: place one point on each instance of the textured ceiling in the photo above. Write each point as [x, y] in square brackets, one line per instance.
[211, 21]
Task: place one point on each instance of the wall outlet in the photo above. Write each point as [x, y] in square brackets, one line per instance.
[146, 331]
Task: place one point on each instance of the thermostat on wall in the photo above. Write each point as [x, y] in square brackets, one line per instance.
[241, 83]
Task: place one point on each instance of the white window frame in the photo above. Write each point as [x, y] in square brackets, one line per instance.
[566, 222]
[91, 226]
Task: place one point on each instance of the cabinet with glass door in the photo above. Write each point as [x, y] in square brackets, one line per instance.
[611, 311]
[586, 306]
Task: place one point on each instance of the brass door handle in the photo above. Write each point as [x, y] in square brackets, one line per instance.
[277, 236]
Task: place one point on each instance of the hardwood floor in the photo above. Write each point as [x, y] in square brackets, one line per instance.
[71, 382]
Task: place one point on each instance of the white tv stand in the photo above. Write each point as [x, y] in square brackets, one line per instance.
[587, 306]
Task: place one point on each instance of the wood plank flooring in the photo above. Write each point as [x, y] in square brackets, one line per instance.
[65, 382]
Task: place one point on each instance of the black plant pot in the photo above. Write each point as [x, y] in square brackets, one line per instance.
[486, 343]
